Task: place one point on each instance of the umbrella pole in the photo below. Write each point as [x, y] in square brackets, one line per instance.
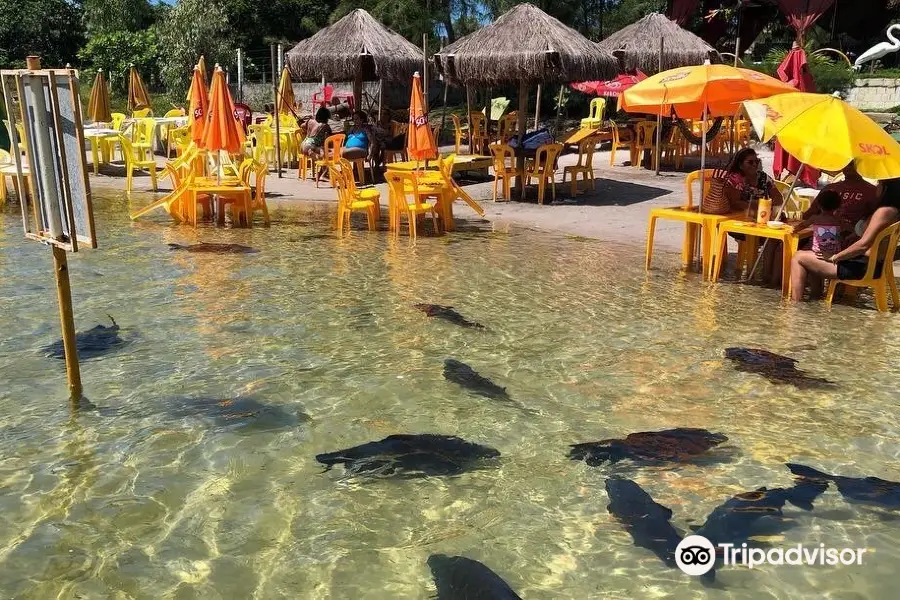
[520, 150]
[784, 202]
[662, 42]
[537, 107]
[702, 179]
[277, 115]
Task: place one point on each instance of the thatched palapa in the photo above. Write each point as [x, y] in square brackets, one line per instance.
[355, 47]
[524, 44]
[637, 46]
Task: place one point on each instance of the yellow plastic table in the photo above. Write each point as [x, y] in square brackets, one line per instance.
[790, 242]
[96, 136]
[224, 187]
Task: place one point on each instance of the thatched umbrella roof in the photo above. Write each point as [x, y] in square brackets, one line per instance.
[524, 44]
[637, 45]
[355, 44]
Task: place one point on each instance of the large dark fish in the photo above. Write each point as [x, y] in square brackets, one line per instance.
[411, 455]
[858, 490]
[215, 248]
[448, 314]
[646, 521]
[91, 343]
[464, 375]
[670, 445]
[774, 367]
[461, 578]
[244, 415]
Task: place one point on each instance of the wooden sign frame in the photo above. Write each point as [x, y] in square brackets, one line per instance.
[46, 105]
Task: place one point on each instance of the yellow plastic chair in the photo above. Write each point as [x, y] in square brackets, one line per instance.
[885, 281]
[507, 127]
[645, 140]
[175, 112]
[478, 137]
[136, 159]
[350, 199]
[795, 205]
[332, 148]
[504, 168]
[622, 139]
[595, 114]
[673, 149]
[118, 119]
[696, 223]
[543, 168]
[142, 113]
[20, 132]
[306, 164]
[404, 184]
[585, 165]
[177, 138]
[461, 133]
[144, 132]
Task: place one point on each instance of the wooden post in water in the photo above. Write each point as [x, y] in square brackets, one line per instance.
[521, 126]
[63, 296]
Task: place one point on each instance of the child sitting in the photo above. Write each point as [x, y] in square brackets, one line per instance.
[829, 230]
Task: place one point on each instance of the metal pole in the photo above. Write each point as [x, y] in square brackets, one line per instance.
[662, 43]
[559, 100]
[537, 107]
[240, 75]
[277, 116]
[784, 202]
[280, 58]
[425, 71]
[469, 115]
[380, 98]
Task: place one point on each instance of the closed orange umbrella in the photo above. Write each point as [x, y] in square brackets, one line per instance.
[138, 97]
[98, 107]
[223, 129]
[419, 141]
[198, 107]
[201, 64]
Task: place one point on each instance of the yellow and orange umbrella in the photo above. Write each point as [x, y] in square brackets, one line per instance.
[419, 140]
[98, 107]
[223, 130]
[201, 65]
[689, 92]
[198, 108]
[138, 97]
[286, 98]
[825, 132]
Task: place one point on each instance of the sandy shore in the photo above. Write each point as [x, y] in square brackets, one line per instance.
[616, 210]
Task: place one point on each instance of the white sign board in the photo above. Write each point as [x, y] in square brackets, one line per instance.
[44, 110]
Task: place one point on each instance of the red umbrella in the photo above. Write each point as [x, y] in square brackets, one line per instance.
[794, 71]
[611, 88]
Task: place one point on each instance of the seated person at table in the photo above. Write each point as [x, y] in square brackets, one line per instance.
[851, 262]
[739, 186]
[358, 139]
[316, 132]
[384, 138]
[829, 229]
[858, 197]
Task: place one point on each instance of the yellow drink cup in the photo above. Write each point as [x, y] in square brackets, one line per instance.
[764, 211]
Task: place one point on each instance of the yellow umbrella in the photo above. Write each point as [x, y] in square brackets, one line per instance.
[138, 97]
[825, 132]
[690, 91]
[98, 107]
[286, 98]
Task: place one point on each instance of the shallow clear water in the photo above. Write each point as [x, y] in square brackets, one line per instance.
[143, 499]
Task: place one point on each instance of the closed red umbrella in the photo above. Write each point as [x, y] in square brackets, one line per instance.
[794, 70]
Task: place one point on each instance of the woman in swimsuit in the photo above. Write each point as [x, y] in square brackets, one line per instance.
[359, 137]
[316, 132]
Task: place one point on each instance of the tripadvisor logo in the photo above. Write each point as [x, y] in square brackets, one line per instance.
[696, 555]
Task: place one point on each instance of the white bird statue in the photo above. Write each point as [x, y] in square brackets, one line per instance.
[879, 50]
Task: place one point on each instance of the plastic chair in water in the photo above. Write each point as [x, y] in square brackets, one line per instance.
[696, 223]
[404, 185]
[585, 165]
[142, 113]
[332, 148]
[795, 205]
[622, 139]
[504, 168]
[351, 199]
[879, 282]
[136, 159]
[595, 114]
[258, 199]
[544, 169]
[178, 139]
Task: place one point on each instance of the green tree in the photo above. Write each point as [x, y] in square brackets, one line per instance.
[51, 29]
[116, 52]
[260, 23]
[191, 29]
[110, 16]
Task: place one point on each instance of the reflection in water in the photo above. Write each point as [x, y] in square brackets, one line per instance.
[156, 498]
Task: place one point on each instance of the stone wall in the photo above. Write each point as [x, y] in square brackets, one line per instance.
[257, 95]
[875, 94]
